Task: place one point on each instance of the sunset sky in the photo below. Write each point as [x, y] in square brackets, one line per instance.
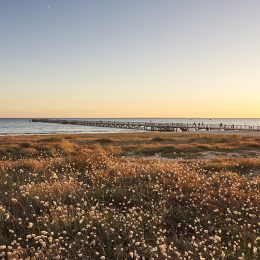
[131, 58]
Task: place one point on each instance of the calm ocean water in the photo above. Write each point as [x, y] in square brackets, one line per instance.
[25, 126]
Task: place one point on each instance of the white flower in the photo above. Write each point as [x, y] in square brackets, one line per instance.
[30, 225]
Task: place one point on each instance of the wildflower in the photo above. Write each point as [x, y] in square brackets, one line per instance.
[30, 225]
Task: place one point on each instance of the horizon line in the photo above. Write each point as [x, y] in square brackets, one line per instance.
[130, 117]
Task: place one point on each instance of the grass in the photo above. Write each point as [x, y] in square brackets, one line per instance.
[158, 139]
[104, 140]
[241, 165]
[119, 196]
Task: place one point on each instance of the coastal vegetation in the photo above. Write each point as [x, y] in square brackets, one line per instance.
[130, 196]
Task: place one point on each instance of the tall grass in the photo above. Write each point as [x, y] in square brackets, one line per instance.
[76, 200]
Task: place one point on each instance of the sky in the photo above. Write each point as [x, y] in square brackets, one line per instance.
[129, 58]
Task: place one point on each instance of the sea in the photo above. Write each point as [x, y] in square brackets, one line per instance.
[25, 126]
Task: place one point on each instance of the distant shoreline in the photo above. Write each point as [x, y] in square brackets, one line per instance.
[14, 127]
[134, 133]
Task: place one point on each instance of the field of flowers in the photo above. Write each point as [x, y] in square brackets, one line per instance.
[78, 197]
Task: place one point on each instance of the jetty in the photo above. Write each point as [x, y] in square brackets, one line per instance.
[150, 126]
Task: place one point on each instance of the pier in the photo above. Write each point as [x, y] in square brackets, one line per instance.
[149, 126]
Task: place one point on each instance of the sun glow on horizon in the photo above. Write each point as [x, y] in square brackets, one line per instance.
[131, 59]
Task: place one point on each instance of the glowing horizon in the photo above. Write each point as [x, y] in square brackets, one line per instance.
[167, 59]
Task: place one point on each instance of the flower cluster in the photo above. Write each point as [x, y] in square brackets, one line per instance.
[91, 204]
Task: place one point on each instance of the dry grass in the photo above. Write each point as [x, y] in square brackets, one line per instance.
[80, 197]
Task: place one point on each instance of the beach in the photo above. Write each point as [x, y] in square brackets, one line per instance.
[130, 130]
